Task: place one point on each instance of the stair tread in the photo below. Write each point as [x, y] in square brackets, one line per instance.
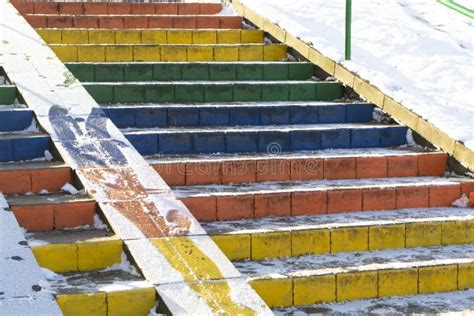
[21, 134]
[231, 104]
[108, 280]
[269, 128]
[69, 236]
[357, 261]
[188, 63]
[202, 82]
[56, 198]
[325, 153]
[310, 185]
[444, 303]
[31, 165]
[329, 221]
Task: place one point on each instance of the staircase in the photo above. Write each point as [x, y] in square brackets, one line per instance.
[312, 195]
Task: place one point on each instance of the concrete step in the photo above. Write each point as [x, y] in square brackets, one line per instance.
[133, 21]
[360, 275]
[34, 177]
[298, 166]
[270, 139]
[234, 114]
[199, 71]
[118, 291]
[150, 36]
[275, 237]
[8, 94]
[75, 250]
[290, 198]
[15, 119]
[44, 212]
[449, 303]
[213, 91]
[115, 8]
[169, 53]
[18, 146]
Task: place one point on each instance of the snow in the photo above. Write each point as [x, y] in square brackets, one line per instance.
[418, 52]
[70, 189]
[461, 202]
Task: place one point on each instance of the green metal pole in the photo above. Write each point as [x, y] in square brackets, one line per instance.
[348, 29]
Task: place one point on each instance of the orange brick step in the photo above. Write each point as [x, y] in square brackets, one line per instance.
[49, 212]
[272, 168]
[33, 177]
[308, 199]
[134, 21]
[114, 8]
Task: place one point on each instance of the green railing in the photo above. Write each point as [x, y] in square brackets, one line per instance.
[347, 51]
[457, 7]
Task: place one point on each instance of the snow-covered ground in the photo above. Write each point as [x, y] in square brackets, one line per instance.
[419, 52]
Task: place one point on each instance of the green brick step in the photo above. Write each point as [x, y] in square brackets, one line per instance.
[163, 71]
[205, 92]
[7, 94]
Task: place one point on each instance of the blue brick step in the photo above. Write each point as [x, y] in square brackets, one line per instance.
[15, 119]
[234, 114]
[18, 147]
[171, 71]
[273, 139]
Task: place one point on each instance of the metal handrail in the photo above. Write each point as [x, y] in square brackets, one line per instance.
[457, 7]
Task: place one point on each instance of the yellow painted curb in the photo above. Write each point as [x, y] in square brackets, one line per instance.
[400, 112]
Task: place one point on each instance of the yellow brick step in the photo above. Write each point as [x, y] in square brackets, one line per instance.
[150, 36]
[277, 237]
[172, 53]
[360, 275]
[114, 292]
[76, 250]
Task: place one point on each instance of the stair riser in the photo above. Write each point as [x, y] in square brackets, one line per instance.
[364, 284]
[208, 92]
[106, 72]
[45, 217]
[242, 206]
[142, 117]
[274, 169]
[258, 246]
[17, 149]
[170, 53]
[15, 120]
[134, 21]
[150, 36]
[34, 180]
[115, 8]
[7, 94]
[87, 256]
[137, 301]
[265, 141]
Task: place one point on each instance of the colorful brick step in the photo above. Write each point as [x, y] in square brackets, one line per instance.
[133, 21]
[438, 303]
[361, 275]
[114, 292]
[116, 8]
[151, 36]
[213, 71]
[275, 237]
[292, 198]
[15, 119]
[169, 53]
[213, 91]
[228, 114]
[18, 147]
[298, 166]
[8, 94]
[33, 177]
[42, 212]
[270, 139]
[76, 250]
